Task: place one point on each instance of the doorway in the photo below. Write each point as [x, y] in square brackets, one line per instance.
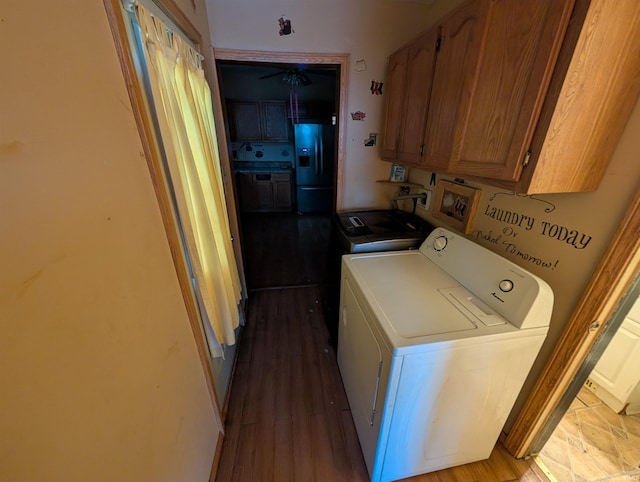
[562, 378]
[337, 62]
[281, 121]
[312, 90]
[597, 438]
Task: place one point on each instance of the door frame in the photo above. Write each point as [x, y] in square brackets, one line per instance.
[613, 278]
[341, 60]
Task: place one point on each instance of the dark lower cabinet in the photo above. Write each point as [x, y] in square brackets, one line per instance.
[265, 191]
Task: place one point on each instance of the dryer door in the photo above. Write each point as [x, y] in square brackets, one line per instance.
[362, 366]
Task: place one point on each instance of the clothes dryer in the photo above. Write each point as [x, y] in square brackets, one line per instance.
[434, 346]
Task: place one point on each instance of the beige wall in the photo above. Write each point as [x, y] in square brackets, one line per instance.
[99, 375]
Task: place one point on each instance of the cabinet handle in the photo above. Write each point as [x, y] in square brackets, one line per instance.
[315, 153]
[321, 163]
[263, 177]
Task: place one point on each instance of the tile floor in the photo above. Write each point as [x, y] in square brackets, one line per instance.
[593, 443]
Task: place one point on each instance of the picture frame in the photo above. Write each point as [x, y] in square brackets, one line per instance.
[398, 173]
[455, 204]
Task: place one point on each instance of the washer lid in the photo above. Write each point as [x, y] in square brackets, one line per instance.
[405, 286]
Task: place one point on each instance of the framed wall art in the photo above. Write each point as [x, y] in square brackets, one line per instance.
[455, 204]
[398, 173]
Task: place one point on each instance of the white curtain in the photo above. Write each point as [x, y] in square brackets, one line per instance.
[182, 101]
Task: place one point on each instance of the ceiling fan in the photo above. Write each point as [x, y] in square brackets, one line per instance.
[294, 77]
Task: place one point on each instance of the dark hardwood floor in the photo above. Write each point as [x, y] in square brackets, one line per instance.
[284, 250]
[288, 419]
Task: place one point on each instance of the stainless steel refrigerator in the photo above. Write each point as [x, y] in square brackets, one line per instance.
[314, 147]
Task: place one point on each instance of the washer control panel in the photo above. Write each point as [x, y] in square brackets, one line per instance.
[507, 288]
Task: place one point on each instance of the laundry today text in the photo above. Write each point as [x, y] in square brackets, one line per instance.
[558, 232]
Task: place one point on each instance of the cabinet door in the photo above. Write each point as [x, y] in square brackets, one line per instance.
[394, 96]
[282, 195]
[264, 191]
[417, 91]
[246, 192]
[282, 190]
[458, 57]
[505, 85]
[275, 123]
[245, 121]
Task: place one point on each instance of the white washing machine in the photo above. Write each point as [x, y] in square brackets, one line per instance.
[434, 347]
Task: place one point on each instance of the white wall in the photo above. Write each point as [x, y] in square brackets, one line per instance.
[365, 29]
[99, 374]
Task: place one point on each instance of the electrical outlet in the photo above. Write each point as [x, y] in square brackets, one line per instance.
[591, 385]
[425, 203]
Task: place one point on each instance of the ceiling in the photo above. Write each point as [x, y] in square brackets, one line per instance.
[266, 81]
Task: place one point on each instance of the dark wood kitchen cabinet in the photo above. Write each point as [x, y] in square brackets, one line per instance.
[275, 123]
[282, 189]
[245, 120]
[264, 191]
[258, 121]
[247, 195]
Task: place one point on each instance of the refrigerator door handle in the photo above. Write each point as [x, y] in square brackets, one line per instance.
[321, 160]
[318, 160]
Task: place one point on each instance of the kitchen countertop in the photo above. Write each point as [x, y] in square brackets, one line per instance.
[262, 166]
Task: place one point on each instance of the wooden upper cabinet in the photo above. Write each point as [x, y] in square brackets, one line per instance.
[526, 95]
[417, 94]
[590, 100]
[258, 120]
[245, 121]
[394, 99]
[275, 123]
[510, 59]
[458, 57]
[408, 84]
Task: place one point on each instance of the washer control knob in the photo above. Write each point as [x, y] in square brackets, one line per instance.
[506, 285]
[440, 243]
